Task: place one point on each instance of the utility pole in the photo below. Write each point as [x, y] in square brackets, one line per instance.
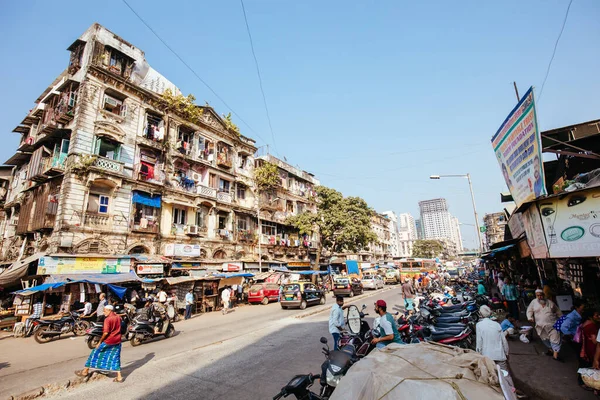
[516, 91]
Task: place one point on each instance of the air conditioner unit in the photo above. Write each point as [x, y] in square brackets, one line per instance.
[110, 101]
[196, 176]
[192, 230]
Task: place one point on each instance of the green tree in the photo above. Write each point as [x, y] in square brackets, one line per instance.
[427, 248]
[342, 223]
[266, 177]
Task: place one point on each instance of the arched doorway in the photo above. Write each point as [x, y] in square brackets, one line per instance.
[219, 255]
[139, 250]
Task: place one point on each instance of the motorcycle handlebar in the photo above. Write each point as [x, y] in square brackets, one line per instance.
[279, 395]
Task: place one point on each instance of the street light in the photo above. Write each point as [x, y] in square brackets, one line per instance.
[468, 176]
[260, 229]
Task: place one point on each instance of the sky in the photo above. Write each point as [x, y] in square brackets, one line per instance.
[372, 97]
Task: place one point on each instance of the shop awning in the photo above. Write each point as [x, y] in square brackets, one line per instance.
[493, 253]
[311, 272]
[100, 279]
[181, 279]
[234, 275]
[39, 288]
[18, 269]
[146, 199]
[352, 266]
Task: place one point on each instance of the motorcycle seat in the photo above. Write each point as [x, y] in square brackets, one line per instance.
[437, 337]
[449, 320]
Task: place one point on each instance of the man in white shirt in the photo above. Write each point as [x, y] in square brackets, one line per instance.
[491, 342]
[162, 296]
[225, 296]
[545, 313]
[87, 308]
[336, 320]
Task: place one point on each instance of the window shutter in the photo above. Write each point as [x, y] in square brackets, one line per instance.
[117, 156]
[96, 145]
[123, 112]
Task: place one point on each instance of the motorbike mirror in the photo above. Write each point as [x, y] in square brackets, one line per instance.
[364, 306]
[323, 340]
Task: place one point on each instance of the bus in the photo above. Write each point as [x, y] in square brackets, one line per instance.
[410, 267]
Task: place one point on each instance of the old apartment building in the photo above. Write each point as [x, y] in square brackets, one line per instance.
[107, 165]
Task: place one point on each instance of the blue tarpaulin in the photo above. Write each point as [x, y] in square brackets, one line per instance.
[118, 290]
[311, 272]
[352, 267]
[39, 288]
[146, 199]
[498, 250]
[101, 279]
[234, 275]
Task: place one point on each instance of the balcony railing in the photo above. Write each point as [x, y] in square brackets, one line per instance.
[108, 164]
[206, 191]
[224, 234]
[145, 227]
[246, 236]
[224, 197]
[98, 221]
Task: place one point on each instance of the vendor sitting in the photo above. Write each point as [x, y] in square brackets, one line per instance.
[509, 326]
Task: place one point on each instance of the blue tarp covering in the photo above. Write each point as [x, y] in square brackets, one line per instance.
[280, 269]
[39, 288]
[233, 275]
[101, 279]
[311, 272]
[496, 251]
[352, 267]
[118, 290]
[146, 199]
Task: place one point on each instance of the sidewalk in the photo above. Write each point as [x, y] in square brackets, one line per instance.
[540, 376]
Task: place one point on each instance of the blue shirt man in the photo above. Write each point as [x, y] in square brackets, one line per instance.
[336, 320]
[388, 330]
[573, 320]
[189, 302]
[481, 288]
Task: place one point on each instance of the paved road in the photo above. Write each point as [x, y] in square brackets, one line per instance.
[248, 354]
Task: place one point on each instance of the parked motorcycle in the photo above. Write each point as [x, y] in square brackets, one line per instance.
[359, 334]
[142, 330]
[337, 363]
[94, 333]
[46, 330]
[299, 387]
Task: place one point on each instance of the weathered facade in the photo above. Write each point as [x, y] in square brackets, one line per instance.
[108, 165]
[495, 225]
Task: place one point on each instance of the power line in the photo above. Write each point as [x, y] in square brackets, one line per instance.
[554, 51]
[262, 91]
[193, 71]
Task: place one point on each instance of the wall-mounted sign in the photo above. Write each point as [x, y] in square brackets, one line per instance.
[299, 264]
[182, 250]
[572, 224]
[232, 267]
[535, 232]
[82, 265]
[144, 269]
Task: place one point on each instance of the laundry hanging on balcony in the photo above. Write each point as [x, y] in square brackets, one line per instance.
[146, 199]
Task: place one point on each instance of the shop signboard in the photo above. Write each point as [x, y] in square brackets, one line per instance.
[82, 265]
[535, 232]
[182, 250]
[146, 269]
[518, 145]
[572, 224]
[298, 264]
[516, 225]
[232, 267]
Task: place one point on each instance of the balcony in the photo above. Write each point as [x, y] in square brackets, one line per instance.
[206, 191]
[108, 165]
[246, 236]
[145, 226]
[146, 174]
[98, 221]
[224, 234]
[223, 160]
[224, 197]
[50, 166]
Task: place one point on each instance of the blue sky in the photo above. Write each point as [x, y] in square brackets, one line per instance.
[371, 96]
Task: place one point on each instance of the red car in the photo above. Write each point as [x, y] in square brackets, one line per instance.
[263, 293]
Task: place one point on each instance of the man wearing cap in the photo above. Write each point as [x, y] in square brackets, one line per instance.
[491, 342]
[545, 313]
[107, 354]
[388, 330]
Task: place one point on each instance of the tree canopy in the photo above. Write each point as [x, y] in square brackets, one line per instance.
[427, 248]
[266, 177]
[343, 223]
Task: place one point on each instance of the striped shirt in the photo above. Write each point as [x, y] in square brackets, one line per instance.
[509, 291]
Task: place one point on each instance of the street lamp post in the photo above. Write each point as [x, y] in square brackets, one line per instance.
[468, 176]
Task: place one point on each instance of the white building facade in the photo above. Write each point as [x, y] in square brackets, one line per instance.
[438, 224]
[394, 246]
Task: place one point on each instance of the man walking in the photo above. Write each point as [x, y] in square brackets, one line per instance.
[511, 295]
[409, 295]
[107, 354]
[100, 309]
[225, 297]
[189, 302]
[545, 313]
[336, 320]
[491, 342]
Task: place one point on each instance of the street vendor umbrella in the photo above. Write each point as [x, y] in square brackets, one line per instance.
[421, 371]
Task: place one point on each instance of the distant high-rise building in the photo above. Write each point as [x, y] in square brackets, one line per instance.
[437, 223]
[407, 234]
[393, 227]
[419, 228]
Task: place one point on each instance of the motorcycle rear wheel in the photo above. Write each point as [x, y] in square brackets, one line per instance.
[170, 331]
[80, 328]
[39, 335]
[135, 341]
[93, 342]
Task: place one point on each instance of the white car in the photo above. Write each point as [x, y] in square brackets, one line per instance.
[373, 282]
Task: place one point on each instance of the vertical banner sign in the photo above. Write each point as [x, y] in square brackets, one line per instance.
[518, 149]
[535, 232]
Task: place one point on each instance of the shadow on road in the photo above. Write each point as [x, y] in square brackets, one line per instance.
[128, 369]
[4, 365]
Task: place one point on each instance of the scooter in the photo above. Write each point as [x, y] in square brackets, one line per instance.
[337, 363]
[359, 334]
[299, 387]
[94, 333]
[464, 339]
[46, 330]
[140, 331]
